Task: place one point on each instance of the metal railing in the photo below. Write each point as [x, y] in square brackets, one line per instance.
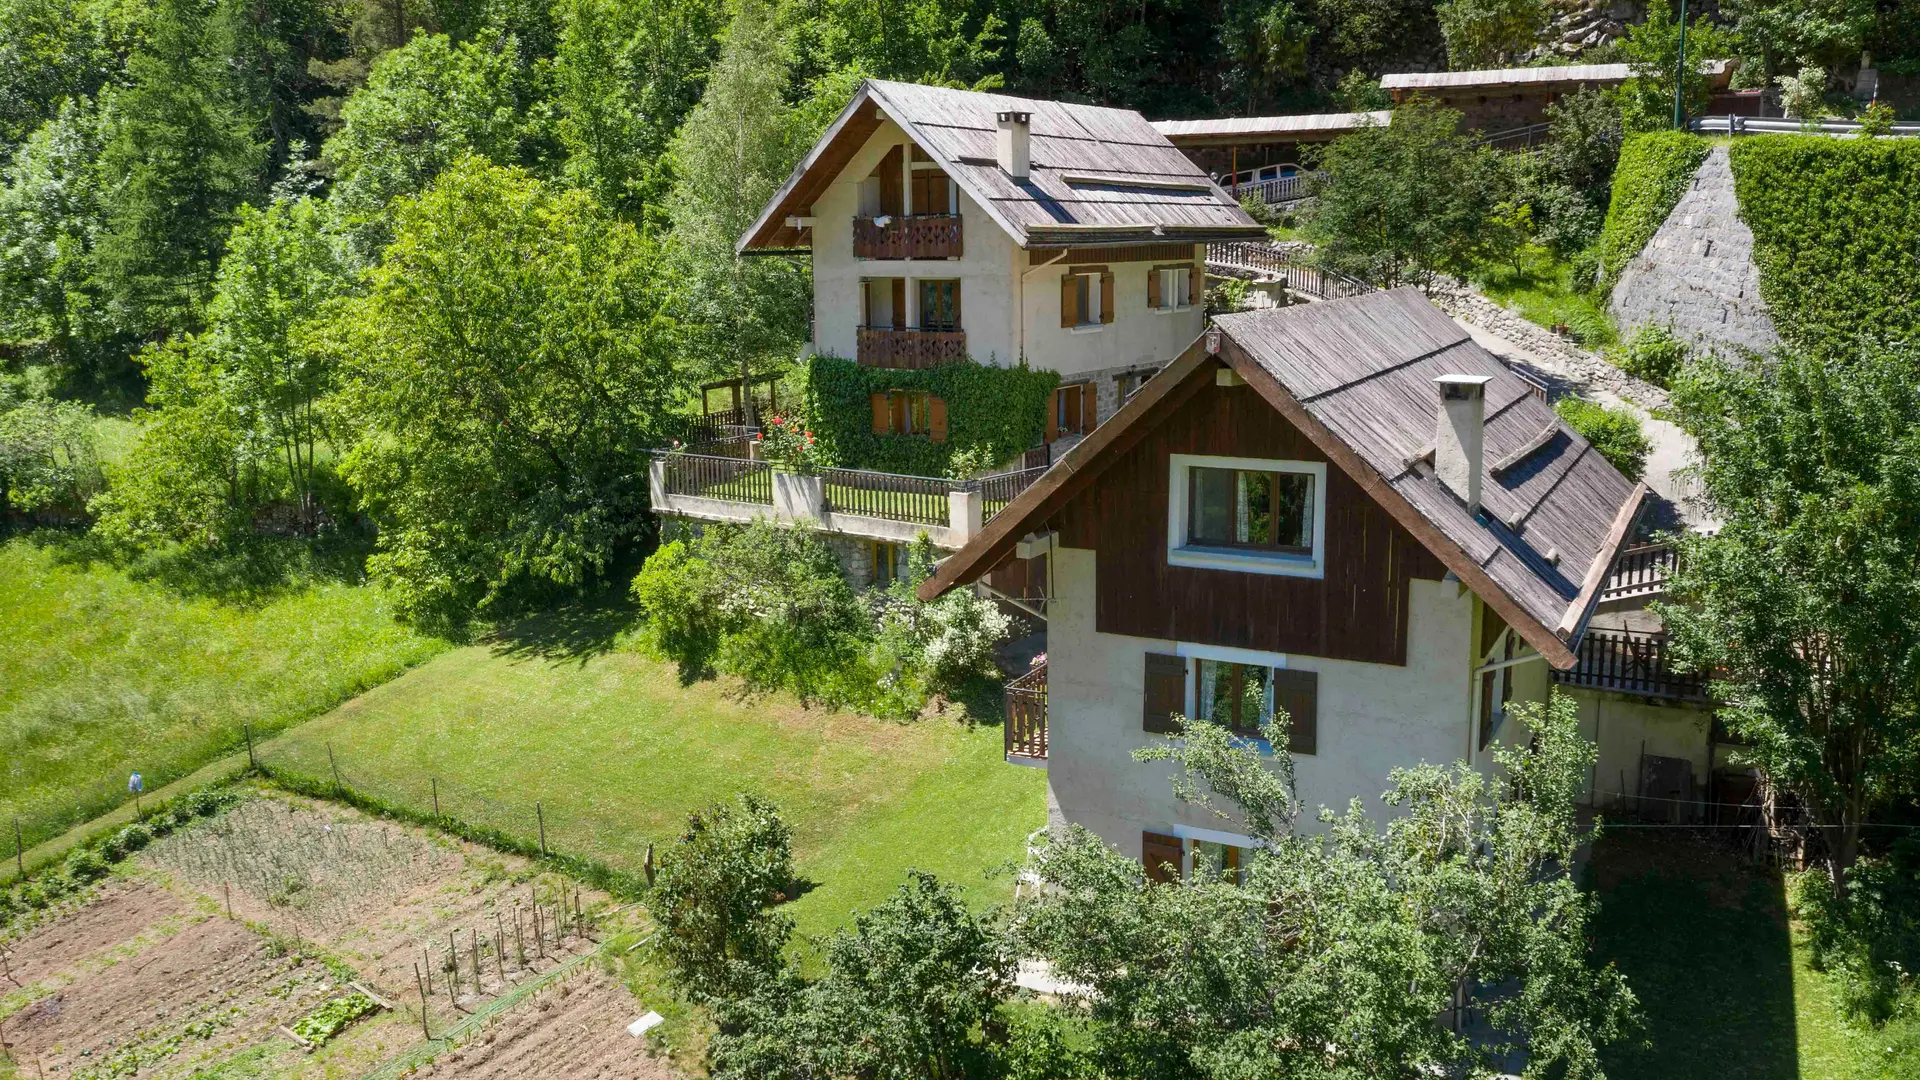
[1280, 189]
[714, 427]
[1529, 138]
[1640, 571]
[1631, 663]
[711, 476]
[1026, 726]
[1769, 125]
[890, 347]
[999, 489]
[1275, 262]
[914, 236]
[917, 500]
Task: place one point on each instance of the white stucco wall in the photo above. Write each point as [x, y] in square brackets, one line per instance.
[1623, 726]
[996, 279]
[1372, 717]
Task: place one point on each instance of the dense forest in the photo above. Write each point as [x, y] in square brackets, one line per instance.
[448, 268]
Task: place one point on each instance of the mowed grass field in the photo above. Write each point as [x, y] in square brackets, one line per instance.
[101, 675]
[1723, 975]
[617, 753]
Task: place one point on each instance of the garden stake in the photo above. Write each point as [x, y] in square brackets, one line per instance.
[335, 768]
[421, 983]
[519, 942]
[542, 815]
[473, 948]
[499, 951]
[426, 957]
[227, 888]
[453, 984]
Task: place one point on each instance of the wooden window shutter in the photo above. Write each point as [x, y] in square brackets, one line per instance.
[937, 418]
[897, 402]
[890, 182]
[1089, 407]
[1153, 288]
[1053, 416]
[899, 303]
[1069, 301]
[1162, 855]
[1166, 693]
[1298, 694]
[956, 305]
[1106, 296]
[1196, 284]
[880, 414]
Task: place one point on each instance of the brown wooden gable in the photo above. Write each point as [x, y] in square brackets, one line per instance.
[1357, 611]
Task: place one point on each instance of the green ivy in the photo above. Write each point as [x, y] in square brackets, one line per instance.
[993, 413]
[1836, 235]
[1653, 173]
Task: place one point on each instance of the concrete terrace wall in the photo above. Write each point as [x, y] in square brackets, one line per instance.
[1697, 275]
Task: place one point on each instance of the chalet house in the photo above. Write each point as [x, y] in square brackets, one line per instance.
[1261, 156]
[950, 227]
[1346, 510]
[947, 225]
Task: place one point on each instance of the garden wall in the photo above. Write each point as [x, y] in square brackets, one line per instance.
[1697, 274]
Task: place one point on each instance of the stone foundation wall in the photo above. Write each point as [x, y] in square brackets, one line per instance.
[1697, 275]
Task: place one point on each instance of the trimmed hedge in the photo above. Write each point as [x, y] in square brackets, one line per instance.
[1836, 235]
[993, 413]
[1652, 174]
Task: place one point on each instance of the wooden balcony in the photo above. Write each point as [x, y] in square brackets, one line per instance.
[889, 348]
[920, 236]
[1630, 662]
[1026, 726]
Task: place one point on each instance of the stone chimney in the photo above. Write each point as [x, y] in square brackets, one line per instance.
[1012, 145]
[1459, 459]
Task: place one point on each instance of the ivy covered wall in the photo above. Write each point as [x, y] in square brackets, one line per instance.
[993, 413]
[1836, 230]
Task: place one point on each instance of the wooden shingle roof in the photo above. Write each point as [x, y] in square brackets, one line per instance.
[1098, 176]
[1356, 377]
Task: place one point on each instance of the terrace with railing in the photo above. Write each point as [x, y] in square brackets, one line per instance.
[915, 236]
[1266, 261]
[894, 507]
[1631, 662]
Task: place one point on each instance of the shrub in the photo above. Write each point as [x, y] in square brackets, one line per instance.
[716, 884]
[676, 591]
[994, 412]
[961, 631]
[1651, 176]
[1653, 353]
[1835, 226]
[1614, 432]
[1871, 940]
[47, 456]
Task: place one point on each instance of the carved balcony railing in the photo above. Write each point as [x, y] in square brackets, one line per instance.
[879, 346]
[916, 236]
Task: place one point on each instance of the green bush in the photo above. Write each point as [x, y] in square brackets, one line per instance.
[1872, 938]
[712, 900]
[993, 413]
[1652, 354]
[1651, 176]
[1836, 228]
[1614, 432]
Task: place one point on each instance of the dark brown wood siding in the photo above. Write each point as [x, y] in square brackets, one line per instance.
[1358, 611]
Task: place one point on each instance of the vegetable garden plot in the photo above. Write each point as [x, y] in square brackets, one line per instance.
[334, 915]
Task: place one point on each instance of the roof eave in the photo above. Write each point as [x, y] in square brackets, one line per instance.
[806, 164]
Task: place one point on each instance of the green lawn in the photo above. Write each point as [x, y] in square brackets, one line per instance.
[1540, 289]
[101, 674]
[1723, 977]
[617, 752]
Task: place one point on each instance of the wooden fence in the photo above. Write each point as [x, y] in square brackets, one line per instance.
[1640, 571]
[998, 490]
[1631, 663]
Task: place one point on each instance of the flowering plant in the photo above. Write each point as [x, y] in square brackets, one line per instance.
[788, 442]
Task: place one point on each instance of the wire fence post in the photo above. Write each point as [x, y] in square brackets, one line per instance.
[19, 851]
[542, 816]
[252, 762]
[435, 781]
[334, 767]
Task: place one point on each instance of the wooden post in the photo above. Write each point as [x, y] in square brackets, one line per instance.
[247, 729]
[542, 815]
[473, 950]
[426, 958]
[649, 864]
[453, 964]
[19, 851]
[519, 942]
[334, 767]
[422, 985]
[435, 781]
[499, 949]
[227, 888]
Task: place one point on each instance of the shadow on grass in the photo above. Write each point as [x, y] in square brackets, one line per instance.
[1702, 938]
[248, 574]
[576, 631]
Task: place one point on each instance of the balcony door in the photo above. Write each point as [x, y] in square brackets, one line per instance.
[883, 303]
[939, 304]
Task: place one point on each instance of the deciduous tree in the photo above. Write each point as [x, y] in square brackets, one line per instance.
[1802, 604]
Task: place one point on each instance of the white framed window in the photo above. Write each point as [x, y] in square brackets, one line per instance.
[1087, 290]
[1175, 288]
[1248, 514]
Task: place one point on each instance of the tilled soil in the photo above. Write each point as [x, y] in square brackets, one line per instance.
[152, 979]
[575, 1031]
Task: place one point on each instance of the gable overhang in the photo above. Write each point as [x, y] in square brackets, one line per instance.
[772, 233]
[1193, 370]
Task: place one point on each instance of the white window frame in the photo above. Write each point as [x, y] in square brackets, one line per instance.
[1190, 694]
[1180, 553]
[1174, 282]
[1087, 320]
